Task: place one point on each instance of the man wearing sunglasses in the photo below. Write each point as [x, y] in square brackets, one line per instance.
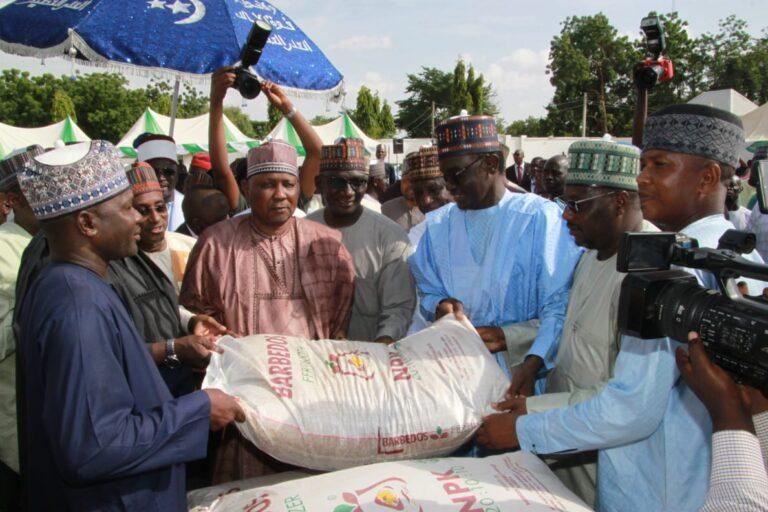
[599, 204]
[159, 151]
[385, 296]
[502, 258]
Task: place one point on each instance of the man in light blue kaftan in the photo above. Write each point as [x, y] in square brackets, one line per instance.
[652, 432]
[506, 258]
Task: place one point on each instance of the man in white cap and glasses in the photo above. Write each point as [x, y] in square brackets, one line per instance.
[100, 430]
[159, 151]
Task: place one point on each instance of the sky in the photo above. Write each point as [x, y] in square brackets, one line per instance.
[378, 44]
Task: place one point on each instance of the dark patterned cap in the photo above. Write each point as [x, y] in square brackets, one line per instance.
[143, 179]
[423, 164]
[603, 163]
[467, 135]
[696, 130]
[73, 178]
[14, 163]
[345, 155]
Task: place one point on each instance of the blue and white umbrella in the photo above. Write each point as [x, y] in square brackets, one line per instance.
[186, 39]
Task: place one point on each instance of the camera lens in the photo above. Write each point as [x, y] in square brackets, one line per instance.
[248, 85]
[648, 76]
[681, 307]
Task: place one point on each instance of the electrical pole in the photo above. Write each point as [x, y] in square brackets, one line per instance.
[433, 119]
[584, 117]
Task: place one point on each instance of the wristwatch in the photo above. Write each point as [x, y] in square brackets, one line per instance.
[291, 113]
[171, 359]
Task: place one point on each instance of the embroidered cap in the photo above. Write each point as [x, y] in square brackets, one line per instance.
[72, 178]
[344, 155]
[273, 156]
[14, 163]
[423, 164]
[696, 130]
[143, 179]
[603, 163]
[467, 135]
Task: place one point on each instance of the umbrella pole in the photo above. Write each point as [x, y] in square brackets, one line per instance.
[174, 106]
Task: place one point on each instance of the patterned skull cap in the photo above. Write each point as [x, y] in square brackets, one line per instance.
[344, 155]
[143, 179]
[423, 164]
[604, 164]
[467, 135]
[14, 163]
[696, 130]
[73, 178]
[273, 156]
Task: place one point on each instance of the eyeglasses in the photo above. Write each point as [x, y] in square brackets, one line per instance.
[146, 210]
[566, 204]
[454, 177]
[338, 184]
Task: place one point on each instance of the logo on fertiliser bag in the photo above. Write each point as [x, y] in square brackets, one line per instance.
[388, 494]
[353, 363]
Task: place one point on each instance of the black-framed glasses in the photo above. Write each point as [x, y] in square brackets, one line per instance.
[145, 210]
[572, 205]
[454, 177]
[337, 183]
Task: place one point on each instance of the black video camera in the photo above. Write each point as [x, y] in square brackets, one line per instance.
[246, 82]
[657, 301]
[655, 68]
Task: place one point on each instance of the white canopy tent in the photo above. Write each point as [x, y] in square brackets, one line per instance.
[12, 137]
[725, 99]
[342, 126]
[756, 125]
[191, 135]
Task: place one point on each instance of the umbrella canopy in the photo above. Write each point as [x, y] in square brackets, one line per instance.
[186, 38]
[191, 135]
[342, 126]
[12, 138]
[756, 127]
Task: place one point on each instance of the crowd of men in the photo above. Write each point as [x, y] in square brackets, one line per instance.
[116, 284]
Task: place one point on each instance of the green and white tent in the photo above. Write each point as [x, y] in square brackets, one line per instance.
[191, 135]
[343, 126]
[12, 137]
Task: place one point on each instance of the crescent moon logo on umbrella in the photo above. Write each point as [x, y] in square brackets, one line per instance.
[178, 6]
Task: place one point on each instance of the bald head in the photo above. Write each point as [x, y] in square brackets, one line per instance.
[203, 207]
[553, 175]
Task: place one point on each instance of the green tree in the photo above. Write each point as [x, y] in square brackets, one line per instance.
[589, 56]
[460, 97]
[62, 106]
[532, 127]
[273, 117]
[386, 122]
[366, 113]
[435, 85]
[320, 120]
[241, 120]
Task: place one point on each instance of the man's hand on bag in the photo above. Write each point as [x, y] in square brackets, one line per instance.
[195, 351]
[516, 405]
[524, 379]
[224, 409]
[494, 339]
[498, 431]
[450, 306]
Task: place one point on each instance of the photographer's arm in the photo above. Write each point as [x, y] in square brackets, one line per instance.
[309, 138]
[222, 79]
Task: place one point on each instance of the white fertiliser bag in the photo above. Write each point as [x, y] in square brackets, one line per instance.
[502, 483]
[330, 405]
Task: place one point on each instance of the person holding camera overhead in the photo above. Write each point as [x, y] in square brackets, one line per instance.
[652, 432]
[268, 272]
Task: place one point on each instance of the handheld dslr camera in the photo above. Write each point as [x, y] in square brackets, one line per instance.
[657, 301]
[655, 68]
[246, 82]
